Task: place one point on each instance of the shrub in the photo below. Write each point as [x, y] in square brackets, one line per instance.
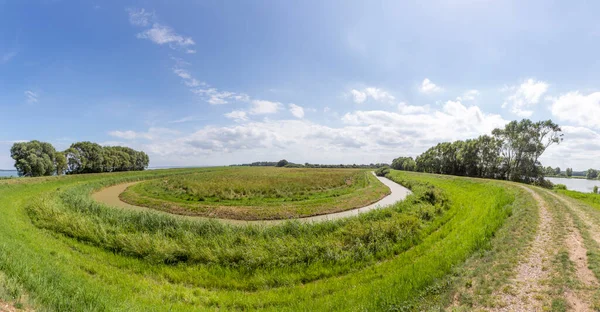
[560, 187]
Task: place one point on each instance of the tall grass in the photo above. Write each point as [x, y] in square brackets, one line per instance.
[251, 193]
[70, 253]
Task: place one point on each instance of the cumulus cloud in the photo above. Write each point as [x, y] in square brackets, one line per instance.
[237, 115]
[404, 108]
[358, 97]
[262, 107]
[376, 94]
[427, 86]
[297, 111]
[583, 110]
[362, 136]
[580, 149]
[525, 96]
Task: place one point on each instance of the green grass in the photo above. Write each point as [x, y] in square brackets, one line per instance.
[70, 253]
[251, 193]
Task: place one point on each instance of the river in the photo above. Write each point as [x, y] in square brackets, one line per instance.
[580, 185]
[8, 173]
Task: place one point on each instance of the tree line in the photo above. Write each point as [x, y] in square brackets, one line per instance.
[35, 158]
[509, 153]
[287, 164]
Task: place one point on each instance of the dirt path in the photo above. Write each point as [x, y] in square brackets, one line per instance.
[110, 196]
[538, 276]
[528, 283]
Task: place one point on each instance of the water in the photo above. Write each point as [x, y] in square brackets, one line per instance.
[580, 185]
[8, 173]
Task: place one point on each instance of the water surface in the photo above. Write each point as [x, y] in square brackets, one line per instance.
[580, 185]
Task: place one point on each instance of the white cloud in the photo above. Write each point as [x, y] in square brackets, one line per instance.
[297, 111]
[525, 96]
[32, 97]
[152, 133]
[215, 97]
[362, 137]
[140, 17]
[404, 108]
[359, 97]
[261, 107]
[237, 115]
[161, 34]
[583, 110]
[580, 150]
[469, 95]
[427, 86]
[326, 109]
[376, 94]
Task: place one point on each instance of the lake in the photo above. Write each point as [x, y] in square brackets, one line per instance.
[580, 185]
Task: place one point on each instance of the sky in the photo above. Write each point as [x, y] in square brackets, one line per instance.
[202, 83]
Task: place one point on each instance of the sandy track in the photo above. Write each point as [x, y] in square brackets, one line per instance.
[110, 196]
[531, 272]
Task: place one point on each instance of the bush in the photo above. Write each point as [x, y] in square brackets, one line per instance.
[383, 171]
[560, 187]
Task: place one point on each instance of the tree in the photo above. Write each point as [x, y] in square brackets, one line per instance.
[591, 174]
[557, 170]
[34, 158]
[60, 162]
[569, 172]
[282, 163]
[523, 143]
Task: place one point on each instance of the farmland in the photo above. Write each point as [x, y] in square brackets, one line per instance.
[68, 252]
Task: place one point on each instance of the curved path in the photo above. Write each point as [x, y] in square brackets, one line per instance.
[110, 196]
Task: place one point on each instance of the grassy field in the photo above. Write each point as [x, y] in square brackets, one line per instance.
[253, 193]
[69, 253]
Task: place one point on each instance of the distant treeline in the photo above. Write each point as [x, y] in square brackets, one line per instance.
[287, 164]
[511, 153]
[35, 158]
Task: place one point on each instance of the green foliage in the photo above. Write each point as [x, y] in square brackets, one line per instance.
[569, 172]
[560, 187]
[591, 174]
[252, 193]
[88, 157]
[34, 158]
[511, 153]
[404, 163]
[96, 258]
[382, 171]
[595, 191]
[282, 163]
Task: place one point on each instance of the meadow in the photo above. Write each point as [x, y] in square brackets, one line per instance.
[68, 252]
[254, 193]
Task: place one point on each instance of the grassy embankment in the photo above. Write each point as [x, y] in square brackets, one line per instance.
[70, 253]
[252, 193]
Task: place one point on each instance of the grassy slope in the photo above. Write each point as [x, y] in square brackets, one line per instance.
[61, 273]
[258, 193]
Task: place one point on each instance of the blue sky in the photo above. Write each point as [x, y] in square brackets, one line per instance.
[220, 82]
